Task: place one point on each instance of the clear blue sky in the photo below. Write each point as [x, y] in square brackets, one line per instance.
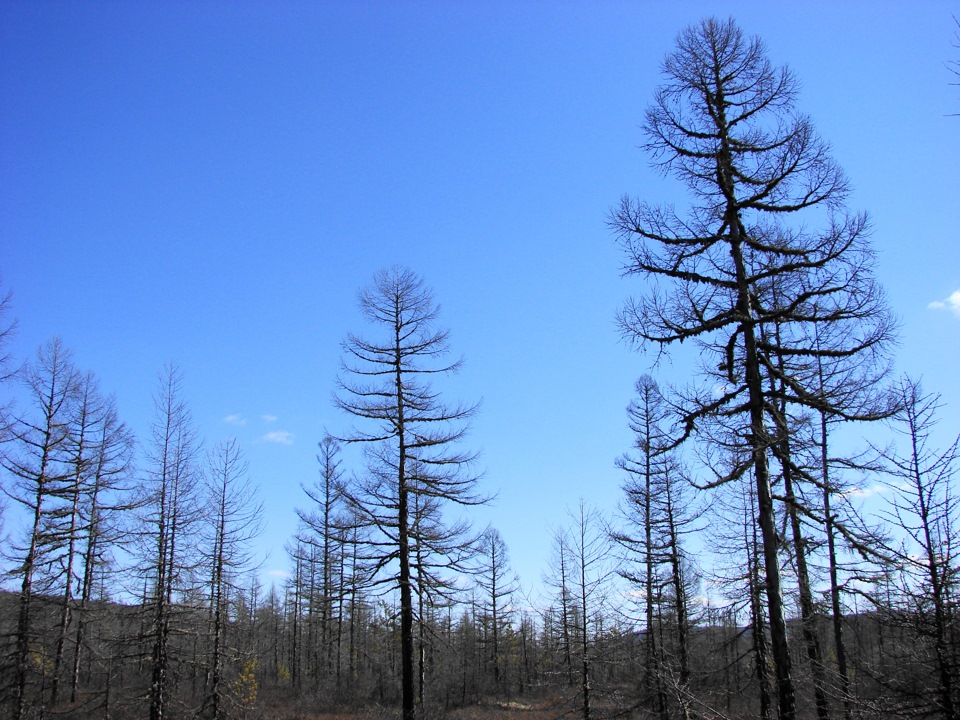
[210, 183]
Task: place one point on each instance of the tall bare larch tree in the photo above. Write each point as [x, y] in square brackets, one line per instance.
[412, 437]
[724, 123]
[171, 483]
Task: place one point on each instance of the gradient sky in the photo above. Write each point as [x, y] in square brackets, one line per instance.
[210, 183]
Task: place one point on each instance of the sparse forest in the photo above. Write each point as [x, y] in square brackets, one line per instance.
[741, 576]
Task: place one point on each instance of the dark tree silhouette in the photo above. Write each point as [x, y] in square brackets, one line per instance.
[36, 458]
[170, 484]
[412, 437]
[724, 123]
[926, 507]
[232, 522]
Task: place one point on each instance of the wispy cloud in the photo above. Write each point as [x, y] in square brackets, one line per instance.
[269, 418]
[281, 437]
[864, 492]
[235, 420]
[278, 573]
[951, 303]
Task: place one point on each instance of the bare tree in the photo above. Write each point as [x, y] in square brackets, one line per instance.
[639, 540]
[498, 584]
[36, 458]
[170, 483]
[581, 577]
[560, 578]
[927, 508]
[234, 522]
[108, 498]
[99, 454]
[725, 124]
[385, 385]
[739, 576]
[326, 527]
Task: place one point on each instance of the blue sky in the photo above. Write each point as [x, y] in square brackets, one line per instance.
[210, 183]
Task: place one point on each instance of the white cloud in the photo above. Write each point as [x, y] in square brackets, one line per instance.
[268, 418]
[281, 437]
[235, 420]
[864, 492]
[952, 303]
[278, 573]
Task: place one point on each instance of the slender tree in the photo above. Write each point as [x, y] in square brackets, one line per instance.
[171, 481]
[738, 574]
[927, 508]
[498, 585]
[585, 579]
[109, 499]
[560, 578]
[384, 385]
[98, 456]
[36, 458]
[234, 522]
[78, 459]
[640, 540]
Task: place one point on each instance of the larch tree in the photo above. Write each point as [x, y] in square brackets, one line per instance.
[234, 519]
[641, 544]
[78, 458]
[679, 519]
[35, 459]
[582, 577]
[560, 621]
[99, 456]
[412, 437]
[326, 526]
[171, 482]
[497, 585]
[926, 506]
[109, 498]
[744, 259]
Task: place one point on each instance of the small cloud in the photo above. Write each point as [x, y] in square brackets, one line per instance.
[952, 303]
[268, 418]
[278, 573]
[864, 492]
[235, 420]
[281, 437]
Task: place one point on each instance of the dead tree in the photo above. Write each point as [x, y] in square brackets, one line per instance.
[401, 420]
[36, 457]
[725, 124]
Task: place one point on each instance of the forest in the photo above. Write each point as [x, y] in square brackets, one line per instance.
[133, 590]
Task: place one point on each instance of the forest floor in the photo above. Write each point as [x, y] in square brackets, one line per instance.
[542, 710]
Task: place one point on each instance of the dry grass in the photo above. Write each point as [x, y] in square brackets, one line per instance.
[512, 710]
[543, 710]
